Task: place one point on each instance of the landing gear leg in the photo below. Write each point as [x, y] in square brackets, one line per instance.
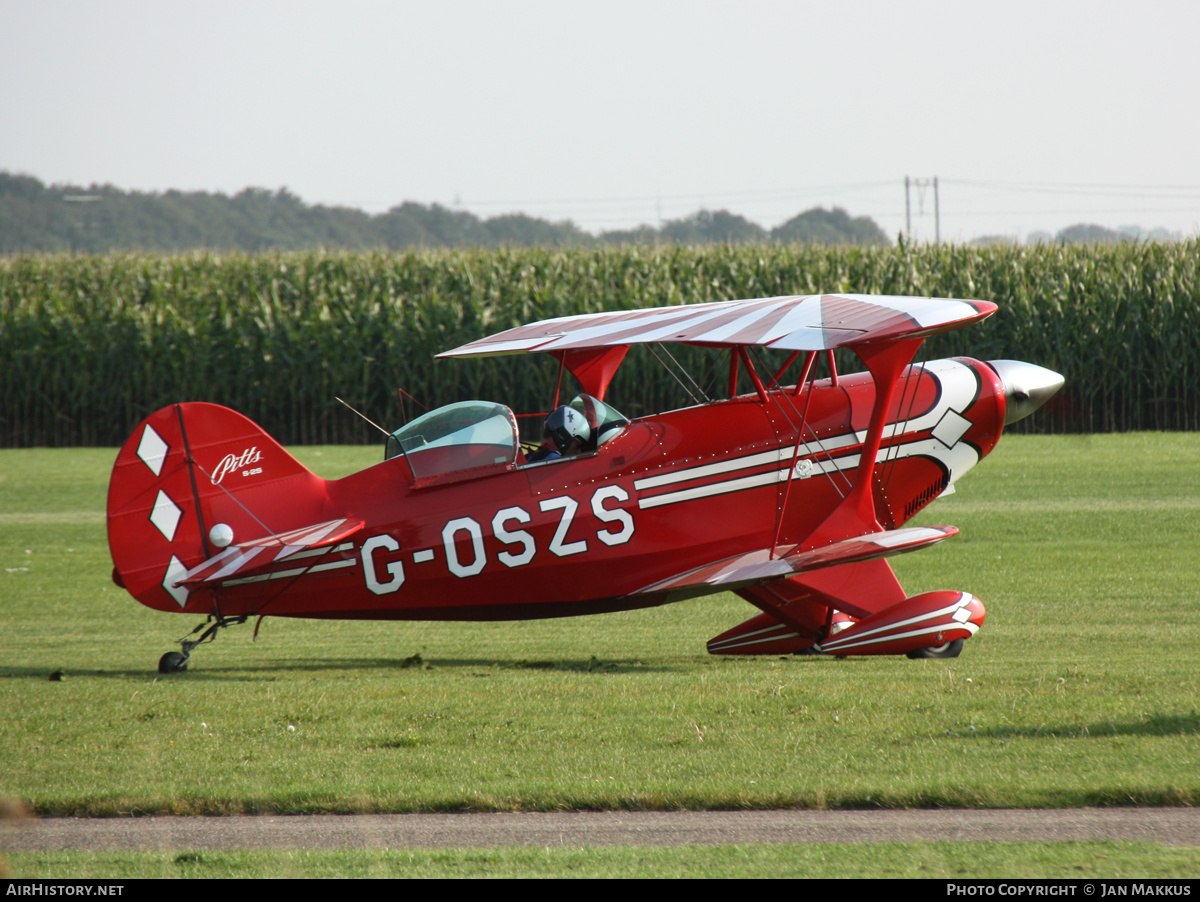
[177, 662]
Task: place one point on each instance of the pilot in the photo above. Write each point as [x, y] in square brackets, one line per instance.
[566, 433]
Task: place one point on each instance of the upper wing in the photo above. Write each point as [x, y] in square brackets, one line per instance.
[793, 323]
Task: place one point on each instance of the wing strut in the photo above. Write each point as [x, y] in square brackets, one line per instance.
[758, 385]
[795, 451]
[783, 369]
[856, 513]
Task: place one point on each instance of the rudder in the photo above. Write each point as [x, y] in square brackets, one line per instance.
[185, 469]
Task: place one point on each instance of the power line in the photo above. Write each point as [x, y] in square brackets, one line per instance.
[1089, 189]
[1081, 211]
[634, 210]
[770, 193]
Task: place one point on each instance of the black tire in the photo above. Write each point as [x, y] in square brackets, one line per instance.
[947, 650]
[172, 662]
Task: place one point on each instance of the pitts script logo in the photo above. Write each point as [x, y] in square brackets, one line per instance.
[233, 462]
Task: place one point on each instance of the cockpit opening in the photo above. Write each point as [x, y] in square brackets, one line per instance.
[471, 435]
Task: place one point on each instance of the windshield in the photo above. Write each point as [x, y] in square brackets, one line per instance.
[457, 437]
[604, 421]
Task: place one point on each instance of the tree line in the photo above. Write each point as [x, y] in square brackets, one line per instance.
[36, 218]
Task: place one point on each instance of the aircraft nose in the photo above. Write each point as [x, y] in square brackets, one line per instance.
[1027, 386]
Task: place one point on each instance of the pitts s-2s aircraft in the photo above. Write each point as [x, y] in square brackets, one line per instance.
[792, 496]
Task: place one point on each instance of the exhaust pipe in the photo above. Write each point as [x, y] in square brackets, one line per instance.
[1027, 387]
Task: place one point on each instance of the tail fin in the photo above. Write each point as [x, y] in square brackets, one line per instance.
[188, 481]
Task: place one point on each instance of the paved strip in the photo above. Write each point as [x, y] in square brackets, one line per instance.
[1170, 826]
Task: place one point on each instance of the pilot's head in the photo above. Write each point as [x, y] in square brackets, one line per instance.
[569, 430]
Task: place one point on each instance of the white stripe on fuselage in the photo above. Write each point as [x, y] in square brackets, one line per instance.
[957, 393]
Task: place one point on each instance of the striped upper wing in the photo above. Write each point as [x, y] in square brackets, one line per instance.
[793, 323]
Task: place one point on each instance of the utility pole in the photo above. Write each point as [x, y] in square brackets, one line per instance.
[910, 183]
[81, 231]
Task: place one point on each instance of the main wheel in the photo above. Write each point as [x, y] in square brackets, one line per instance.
[172, 662]
[946, 650]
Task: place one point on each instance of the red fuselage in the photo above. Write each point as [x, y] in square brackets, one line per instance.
[558, 538]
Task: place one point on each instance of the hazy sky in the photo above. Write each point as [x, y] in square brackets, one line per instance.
[1033, 115]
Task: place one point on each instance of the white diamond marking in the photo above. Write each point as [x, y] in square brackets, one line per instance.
[175, 571]
[152, 450]
[951, 428]
[165, 515]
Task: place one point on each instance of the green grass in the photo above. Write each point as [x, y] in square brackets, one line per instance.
[1053, 861]
[1081, 689]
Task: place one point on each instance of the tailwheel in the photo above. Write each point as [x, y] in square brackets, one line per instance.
[945, 650]
[177, 662]
[172, 662]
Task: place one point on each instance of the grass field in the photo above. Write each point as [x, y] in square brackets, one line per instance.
[1081, 689]
[1049, 861]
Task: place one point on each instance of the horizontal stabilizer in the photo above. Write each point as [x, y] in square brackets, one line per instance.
[759, 566]
[268, 555]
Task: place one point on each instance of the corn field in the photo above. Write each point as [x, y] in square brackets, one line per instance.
[90, 345]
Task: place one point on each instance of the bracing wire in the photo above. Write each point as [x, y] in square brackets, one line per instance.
[262, 600]
[684, 370]
[673, 375]
[236, 501]
[801, 424]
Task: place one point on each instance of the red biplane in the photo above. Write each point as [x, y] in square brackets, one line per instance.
[791, 495]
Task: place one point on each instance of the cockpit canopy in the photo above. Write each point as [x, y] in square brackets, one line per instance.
[471, 435]
[605, 422]
[462, 436]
